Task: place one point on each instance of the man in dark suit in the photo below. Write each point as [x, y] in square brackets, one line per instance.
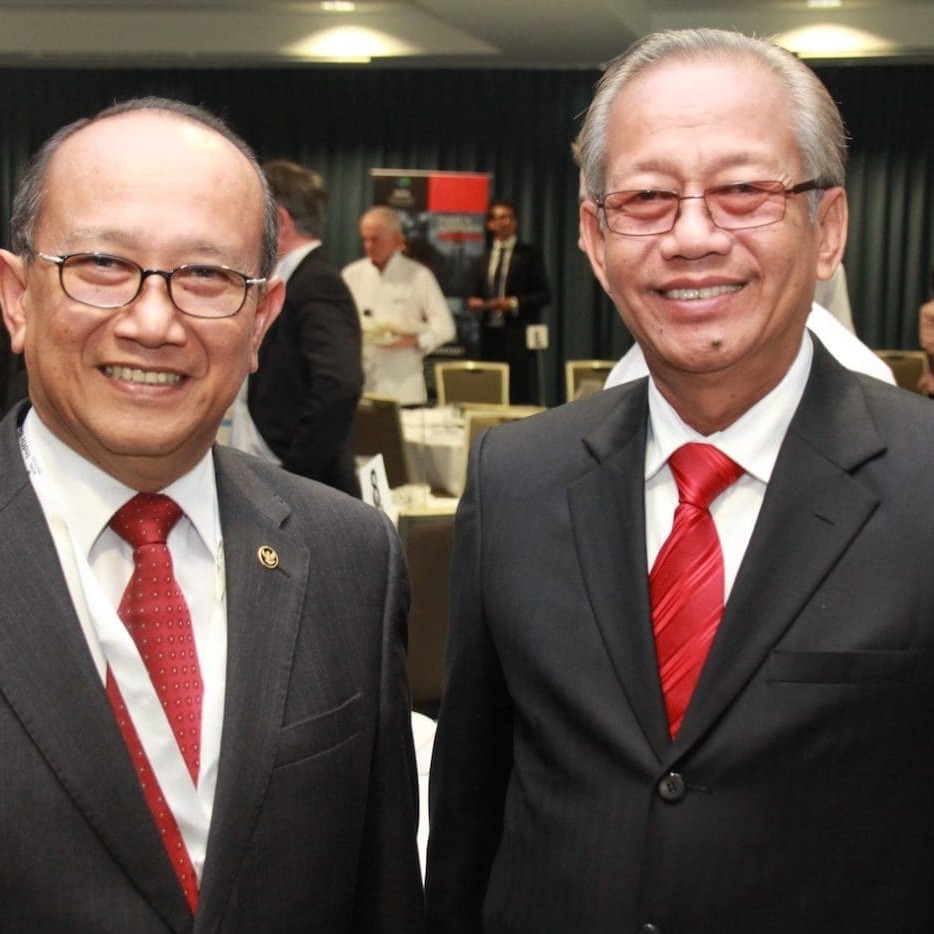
[204, 711]
[304, 395]
[509, 292]
[690, 668]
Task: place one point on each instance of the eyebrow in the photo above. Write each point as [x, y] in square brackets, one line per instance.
[116, 238]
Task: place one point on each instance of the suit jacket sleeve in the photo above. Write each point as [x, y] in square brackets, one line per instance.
[472, 757]
[328, 336]
[528, 282]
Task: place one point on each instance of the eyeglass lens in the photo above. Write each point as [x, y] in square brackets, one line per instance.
[112, 282]
[731, 207]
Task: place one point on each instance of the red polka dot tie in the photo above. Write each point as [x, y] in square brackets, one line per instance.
[686, 582]
[155, 613]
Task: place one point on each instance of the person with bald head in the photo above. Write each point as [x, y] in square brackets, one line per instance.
[403, 312]
[690, 663]
[203, 707]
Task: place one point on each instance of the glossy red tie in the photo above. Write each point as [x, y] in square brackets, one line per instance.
[155, 613]
[686, 582]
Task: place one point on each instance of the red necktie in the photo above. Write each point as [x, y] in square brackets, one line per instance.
[155, 613]
[686, 582]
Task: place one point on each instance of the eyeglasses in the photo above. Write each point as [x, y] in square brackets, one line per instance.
[737, 206]
[104, 281]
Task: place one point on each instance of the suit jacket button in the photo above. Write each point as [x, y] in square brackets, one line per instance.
[672, 788]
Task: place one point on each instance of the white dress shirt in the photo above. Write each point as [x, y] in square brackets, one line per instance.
[403, 298]
[78, 500]
[505, 247]
[753, 442]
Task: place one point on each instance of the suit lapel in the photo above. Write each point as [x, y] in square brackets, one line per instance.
[812, 510]
[49, 679]
[607, 506]
[264, 606]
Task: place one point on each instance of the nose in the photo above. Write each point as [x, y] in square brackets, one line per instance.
[151, 318]
[694, 233]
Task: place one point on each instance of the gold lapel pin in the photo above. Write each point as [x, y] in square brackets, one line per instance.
[268, 557]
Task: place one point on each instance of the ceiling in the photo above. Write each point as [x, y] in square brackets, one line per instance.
[434, 33]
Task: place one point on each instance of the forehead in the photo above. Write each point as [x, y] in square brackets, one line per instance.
[499, 212]
[155, 169]
[689, 112]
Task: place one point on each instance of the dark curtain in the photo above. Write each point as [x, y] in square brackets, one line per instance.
[518, 126]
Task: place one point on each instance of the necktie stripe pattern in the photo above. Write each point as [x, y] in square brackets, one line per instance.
[155, 613]
[686, 582]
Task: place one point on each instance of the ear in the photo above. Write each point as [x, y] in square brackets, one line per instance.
[12, 291]
[592, 240]
[832, 215]
[268, 307]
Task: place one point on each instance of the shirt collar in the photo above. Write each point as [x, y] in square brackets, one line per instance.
[289, 263]
[752, 441]
[88, 496]
[506, 245]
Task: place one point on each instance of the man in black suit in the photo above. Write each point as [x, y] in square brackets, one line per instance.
[204, 714]
[509, 292]
[690, 675]
[304, 395]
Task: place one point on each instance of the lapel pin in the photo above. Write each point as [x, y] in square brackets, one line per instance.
[268, 557]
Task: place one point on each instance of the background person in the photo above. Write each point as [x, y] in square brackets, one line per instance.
[303, 397]
[510, 291]
[204, 712]
[403, 311]
[690, 631]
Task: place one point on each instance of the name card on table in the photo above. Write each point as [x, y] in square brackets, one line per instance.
[374, 486]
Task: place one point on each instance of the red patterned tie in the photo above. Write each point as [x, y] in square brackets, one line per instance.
[155, 613]
[686, 582]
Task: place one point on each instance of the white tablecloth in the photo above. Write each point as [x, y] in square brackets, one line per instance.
[437, 444]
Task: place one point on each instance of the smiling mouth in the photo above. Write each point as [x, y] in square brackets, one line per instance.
[693, 295]
[148, 377]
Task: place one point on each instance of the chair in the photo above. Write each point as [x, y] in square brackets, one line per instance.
[378, 430]
[906, 365]
[427, 540]
[472, 381]
[478, 417]
[583, 377]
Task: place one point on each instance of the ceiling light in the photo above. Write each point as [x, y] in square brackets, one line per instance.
[823, 4]
[338, 6]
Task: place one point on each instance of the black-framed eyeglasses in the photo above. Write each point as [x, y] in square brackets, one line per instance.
[102, 280]
[737, 206]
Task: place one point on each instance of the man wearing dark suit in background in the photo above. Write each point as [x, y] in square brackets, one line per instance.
[204, 713]
[304, 395]
[690, 675]
[509, 292]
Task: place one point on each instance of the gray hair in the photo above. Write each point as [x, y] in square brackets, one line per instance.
[818, 129]
[30, 196]
[301, 192]
[386, 217]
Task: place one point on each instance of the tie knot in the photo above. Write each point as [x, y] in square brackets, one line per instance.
[146, 519]
[702, 473]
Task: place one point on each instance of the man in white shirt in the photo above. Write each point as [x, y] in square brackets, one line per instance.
[403, 312]
[692, 617]
[203, 712]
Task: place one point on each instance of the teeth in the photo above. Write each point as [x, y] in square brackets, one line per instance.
[150, 377]
[692, 295]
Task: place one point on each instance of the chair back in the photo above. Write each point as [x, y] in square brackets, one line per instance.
[906, 365]
[459, 381]
[583, 377]
[427, 540]
[477, 418]
[378, 430]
